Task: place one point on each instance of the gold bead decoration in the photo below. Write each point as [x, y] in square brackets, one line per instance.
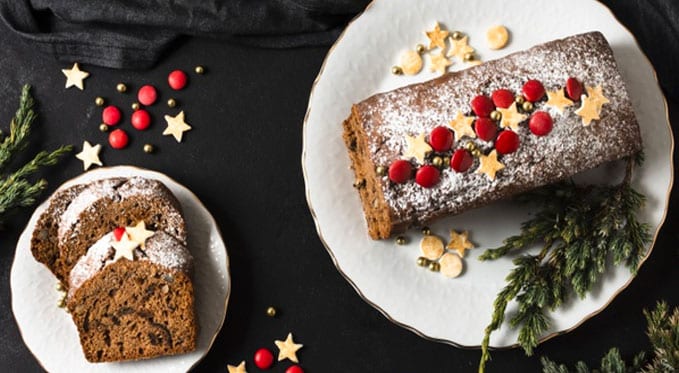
[199, 70]
[171, 102]
[148, 148]
[446, 162]
[469, 57]
[121, 88]
[60, 287]
[476, 153]
[519, 99]
[135, 106]
[99, 101]
[495, 115]
[61, 303]
[456, 35]
[470, 146]
[527, 106]
[381, 170]
[397, 70]
[400, 240]
[270, 311]
[437, 161]
[359, 183]
[422, 261]
[434, 266]
[419, 48]
[426, 231]
[103, 127]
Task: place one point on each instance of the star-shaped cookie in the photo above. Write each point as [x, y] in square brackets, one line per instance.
[124, 248]
[459, 242]
[557, 100]
[176, 126]
[89, 155]
[437, 37]
[417, 148]
[439, 63]
[75, 76]
[288, 349]
[139, 233]
[596, 95]
[489, 165]
[462, 126]
[459, 48]
[589, 110]
[240, 368]
[511, 117]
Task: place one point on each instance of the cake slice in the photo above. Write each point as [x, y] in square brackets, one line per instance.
[132, 302]
[464, 140]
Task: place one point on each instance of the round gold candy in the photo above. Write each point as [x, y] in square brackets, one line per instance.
[476, 153]
[422, 261]
[171, 102]
[527, 106]
[270, 311]
[495, 115]
[411, 62]
[381, 170]
[400, 240]
[103, 127]
[437, 161]
[431, 247]
[121, 87]
[470, 146]
[135, 106]
[519, 99]
[434, 266]
[446, 162]
[396, 70]
[419, 48]
[199, 70]
[426, 231]
[457, 35]
[497, 37]
[99, 101]
[451, 265]
[148, 148]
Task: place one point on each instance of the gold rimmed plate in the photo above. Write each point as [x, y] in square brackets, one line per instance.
[49, 332]
[384, 274]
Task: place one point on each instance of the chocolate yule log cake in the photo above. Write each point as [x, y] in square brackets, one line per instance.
[489, 132]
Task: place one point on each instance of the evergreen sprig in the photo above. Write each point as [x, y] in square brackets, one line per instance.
[581, 230]
[16, 190]
[663, 332]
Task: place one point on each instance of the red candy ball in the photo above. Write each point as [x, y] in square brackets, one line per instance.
[485, 129]
[441, 139]
[118, 139]
[540, 123]
[573, 89]
[502, 98]
[427, 176]
[111, 115]
[461, 160]
[507, 142]
[482, 106]
[263, 358]
[141, 119]
[294, 369]
[400, 171]
[118, 233]
[147, 95]
[533, 90]
[177, 80]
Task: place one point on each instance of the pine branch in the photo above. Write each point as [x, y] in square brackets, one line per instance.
[19, 129]
[580, 228]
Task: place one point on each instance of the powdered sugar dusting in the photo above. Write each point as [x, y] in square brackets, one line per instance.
[570, 148]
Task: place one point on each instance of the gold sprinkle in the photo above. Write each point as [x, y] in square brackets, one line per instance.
[121, 87]
[171, 102]
[396, 70]
[148, 148]
[135, 106]
[434, 266]
[199, 70]
[422, 261]
[271, 311]
[401, 240]
[103, 127]
[99, 101]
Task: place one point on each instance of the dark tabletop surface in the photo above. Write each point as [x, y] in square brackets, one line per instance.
[242, 159]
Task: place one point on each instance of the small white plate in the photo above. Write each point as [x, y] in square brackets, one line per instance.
[49, 332]
[456, 311]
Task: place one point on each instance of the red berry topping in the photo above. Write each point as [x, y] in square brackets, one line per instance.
[263, 358]
[461, 160]
[141, 119]
[540, 123]
[118, 233]
[111, 115]
[147, 95]
[118, 139]
[441, 139]
[427, 176]
[482, 106]
[485, 129]
[573, 89]
[177, 80]
[503, 98]
[400, 171]
[507, 142]
[533, 90]
[294, 369]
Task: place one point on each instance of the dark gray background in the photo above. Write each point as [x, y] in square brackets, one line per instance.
[243, 161]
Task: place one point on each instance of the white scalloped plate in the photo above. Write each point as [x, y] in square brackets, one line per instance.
[456, 311]
[49, 332]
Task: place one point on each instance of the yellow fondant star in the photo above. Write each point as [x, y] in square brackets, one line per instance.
[511, 117]
[459, 242]
[557, 99]
[176, 126]
[459, 48]
[417, 148]
[75, 76]
[596, 95]
[139, 233]
[439, 63]
[489, 165]
[240, 368]
[462, 126]
[124, 248]
[589, 110]
[89, 155]
[437, 37]
[288, 349]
